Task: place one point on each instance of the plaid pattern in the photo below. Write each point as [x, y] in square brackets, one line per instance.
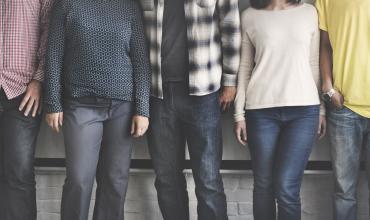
[214, 40]
[23, 26]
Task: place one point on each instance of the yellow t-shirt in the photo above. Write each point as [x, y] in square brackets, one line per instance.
[348, 25]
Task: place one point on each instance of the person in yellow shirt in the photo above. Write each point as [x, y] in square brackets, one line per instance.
[345, 69]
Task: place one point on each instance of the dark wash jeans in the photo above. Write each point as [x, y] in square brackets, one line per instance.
[18, 135]
[348, 133]
[98, 144]
[175, 120]
[280, 141]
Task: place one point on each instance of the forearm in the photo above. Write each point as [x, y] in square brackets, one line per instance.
[229, 19]
[54, 60]
[141, 64]
[326, 62]
[46, 6]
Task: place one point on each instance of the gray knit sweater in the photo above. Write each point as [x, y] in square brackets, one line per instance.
[97, 48]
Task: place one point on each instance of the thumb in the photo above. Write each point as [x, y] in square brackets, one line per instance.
[61, 119]
[319, 129]
[244, 134]
[133, 126]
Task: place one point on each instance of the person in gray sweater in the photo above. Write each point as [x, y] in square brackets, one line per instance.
[97, 85]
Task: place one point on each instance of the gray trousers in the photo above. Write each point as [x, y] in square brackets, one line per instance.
[98, 144]
[18, 135]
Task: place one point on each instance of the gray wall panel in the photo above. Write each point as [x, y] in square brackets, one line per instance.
[50, 145]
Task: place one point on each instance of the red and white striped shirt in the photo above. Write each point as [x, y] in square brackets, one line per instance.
[23, 39]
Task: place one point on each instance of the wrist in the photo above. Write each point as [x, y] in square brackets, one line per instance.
[35, 81]
[326, 87]
[328, 95]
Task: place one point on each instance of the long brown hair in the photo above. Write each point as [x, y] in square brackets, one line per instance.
[259, 4]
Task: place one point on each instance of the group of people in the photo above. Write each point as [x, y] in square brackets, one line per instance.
[106, 71]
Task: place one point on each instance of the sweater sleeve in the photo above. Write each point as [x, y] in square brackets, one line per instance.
[44, 26]
[230, 39]
[54, 59]
[140, 62]
[315, 64]
[244, 74]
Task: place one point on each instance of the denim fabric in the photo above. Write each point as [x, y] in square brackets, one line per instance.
[280, 141]
[18, 135]
[98, 144]
[175, 120]
[348, 133]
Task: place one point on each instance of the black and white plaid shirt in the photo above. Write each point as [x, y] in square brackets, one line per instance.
[214, 39]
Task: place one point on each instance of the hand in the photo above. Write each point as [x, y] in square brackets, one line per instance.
[241, 132]
[55, 121]
[227, 97]
[337, 100]
[32, 99]
[322, 127]
[139, 126]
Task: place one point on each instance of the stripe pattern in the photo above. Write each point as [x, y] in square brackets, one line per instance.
[23, 38]
[214, 39]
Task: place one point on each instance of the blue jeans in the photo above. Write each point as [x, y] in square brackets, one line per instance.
[280, 141]
[175, 120]
[349, 133]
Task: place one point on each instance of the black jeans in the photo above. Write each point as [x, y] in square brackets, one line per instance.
[98, 144]
[18, 135]
[175, 120]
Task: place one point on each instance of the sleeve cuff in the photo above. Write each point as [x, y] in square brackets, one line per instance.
[39, 76]
[229, 79]
[55, 108]
[239, 117]
[323, 28]
[142, 110]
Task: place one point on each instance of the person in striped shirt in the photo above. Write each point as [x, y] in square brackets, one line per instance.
[24, 28]
[195, 55]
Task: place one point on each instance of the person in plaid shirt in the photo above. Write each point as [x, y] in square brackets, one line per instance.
[195, 55]
[24, 26]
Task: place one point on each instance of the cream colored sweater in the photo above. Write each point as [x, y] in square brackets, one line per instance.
[280, 59]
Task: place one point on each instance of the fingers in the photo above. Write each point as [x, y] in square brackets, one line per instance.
[224, 103]
[240, 138]
[241, 135]
[139, 131]
[60, 119]
[139, 126]
[55, 121]
[56, 124]
[133, 127]
[29, 106]
[24, 102]
[322, 127]
[35, 108]
[226, 106]
[244, 135]
[322, 131]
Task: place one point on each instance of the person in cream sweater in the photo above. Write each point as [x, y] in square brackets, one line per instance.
[277, 107]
